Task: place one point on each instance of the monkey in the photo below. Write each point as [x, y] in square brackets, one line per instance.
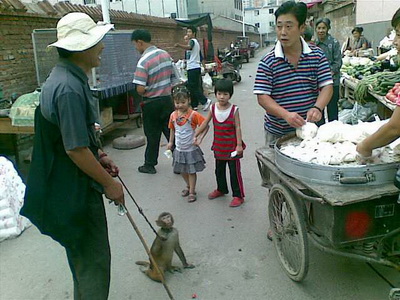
[163, 249]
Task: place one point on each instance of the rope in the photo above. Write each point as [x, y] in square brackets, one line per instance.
[140, 210]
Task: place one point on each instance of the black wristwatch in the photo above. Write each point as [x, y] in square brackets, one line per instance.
[320, 110]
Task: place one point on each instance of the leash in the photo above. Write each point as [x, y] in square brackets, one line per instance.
[140, 210]
[152, 260]
[122, 210]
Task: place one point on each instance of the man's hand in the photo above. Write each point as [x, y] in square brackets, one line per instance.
[115, 192]
[294, 119]
[314, 115]
[366, 156]
[109, 166]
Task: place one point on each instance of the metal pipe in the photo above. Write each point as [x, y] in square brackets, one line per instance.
[326, 249]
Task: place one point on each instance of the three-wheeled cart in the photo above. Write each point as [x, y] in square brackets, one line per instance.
[340, 211]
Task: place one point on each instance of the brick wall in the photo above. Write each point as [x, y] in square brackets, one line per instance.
[17, 65]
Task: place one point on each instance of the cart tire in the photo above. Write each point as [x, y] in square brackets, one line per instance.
[289, 234]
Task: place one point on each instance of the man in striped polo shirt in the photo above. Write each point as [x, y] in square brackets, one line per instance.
[293, 82]
[153, 77]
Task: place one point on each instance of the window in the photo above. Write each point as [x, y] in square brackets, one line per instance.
[271, 11]
[89, 1]
[257, 25]
[272, 24]
[256, 12]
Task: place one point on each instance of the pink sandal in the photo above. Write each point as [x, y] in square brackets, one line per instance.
[185, 192]
[192, 198]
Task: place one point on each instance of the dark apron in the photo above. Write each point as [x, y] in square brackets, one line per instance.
[57, 190]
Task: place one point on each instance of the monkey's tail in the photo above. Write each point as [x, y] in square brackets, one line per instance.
[143, 263]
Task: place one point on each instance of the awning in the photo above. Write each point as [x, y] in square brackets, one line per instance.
[311, 3]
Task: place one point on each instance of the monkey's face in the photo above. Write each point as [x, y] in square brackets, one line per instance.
[167, 220]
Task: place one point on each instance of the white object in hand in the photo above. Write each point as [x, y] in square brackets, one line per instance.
[308, 131]
[234, 153]
[168, 153]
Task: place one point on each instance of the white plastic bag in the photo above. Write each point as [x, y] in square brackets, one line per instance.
[207, 82]
[179, 74]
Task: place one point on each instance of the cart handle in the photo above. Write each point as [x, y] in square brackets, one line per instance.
[353, 180]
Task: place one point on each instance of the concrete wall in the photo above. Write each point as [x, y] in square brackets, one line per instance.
[375, 11]
[342, 18]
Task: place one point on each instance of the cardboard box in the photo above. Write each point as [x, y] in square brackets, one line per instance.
[106, 117]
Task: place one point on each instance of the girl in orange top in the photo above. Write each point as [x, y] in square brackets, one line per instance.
[187, 156]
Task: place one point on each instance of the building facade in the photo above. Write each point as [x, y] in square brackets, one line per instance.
[232, 9]
[264, 19]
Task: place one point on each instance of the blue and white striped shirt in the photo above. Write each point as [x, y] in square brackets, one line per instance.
[295, 89]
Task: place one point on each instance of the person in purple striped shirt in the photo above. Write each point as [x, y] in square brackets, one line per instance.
[293, 82]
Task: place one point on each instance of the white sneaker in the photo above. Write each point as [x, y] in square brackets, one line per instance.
[207, 105]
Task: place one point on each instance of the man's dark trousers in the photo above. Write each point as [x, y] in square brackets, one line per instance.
[90, 259]
[194, 85]
[156, 113]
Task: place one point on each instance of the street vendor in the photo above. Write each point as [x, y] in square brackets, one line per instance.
[69, 171]
[394, 52]
[391, 130]
[293, 82]
[331, 48]
[359, 41]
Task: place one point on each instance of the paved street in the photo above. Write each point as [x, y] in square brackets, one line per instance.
[228, 246]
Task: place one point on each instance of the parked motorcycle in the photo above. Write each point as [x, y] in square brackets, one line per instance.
[231, 64]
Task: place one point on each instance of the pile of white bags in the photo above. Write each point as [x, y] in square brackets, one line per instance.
[12, 191]
[335, 143]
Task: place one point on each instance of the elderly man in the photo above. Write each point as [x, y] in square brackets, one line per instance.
[69, 172]
[153, 79]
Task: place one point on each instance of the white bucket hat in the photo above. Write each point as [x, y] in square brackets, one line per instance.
[78, 32]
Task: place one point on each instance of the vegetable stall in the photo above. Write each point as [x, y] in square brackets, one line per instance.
[367, 82]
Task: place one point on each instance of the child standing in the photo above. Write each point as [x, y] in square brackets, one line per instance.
[227, 144]
[187, 157]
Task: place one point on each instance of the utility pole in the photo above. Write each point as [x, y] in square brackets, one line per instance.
[105, 5]
[244, 28]
[148, 1]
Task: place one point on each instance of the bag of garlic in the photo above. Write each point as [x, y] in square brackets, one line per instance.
[12, 191]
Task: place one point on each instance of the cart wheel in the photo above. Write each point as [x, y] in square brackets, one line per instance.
[288, 232]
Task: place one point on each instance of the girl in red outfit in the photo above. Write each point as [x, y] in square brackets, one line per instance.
[227, 144]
